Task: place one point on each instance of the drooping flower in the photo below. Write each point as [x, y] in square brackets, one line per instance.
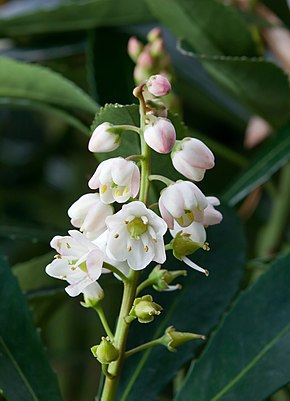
[79, 262]
[118, 180]
[104, 139]
[211, 215]
[160, 135]
[182, 201]
[136, 236]
[88, 213]
[158, 85]
[191, 157]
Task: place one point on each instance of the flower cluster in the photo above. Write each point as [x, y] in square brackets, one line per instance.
[132, 237]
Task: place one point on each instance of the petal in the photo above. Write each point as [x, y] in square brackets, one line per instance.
[94, 291]
[137, 258]
[94, 264]
[194, 266]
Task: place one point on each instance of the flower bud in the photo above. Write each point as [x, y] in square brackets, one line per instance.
[105, 352]
[191, 157]
[154, 34]
[161, 278]
[134, 48]
[158, 85]
[104, 139]
[144, 309]
[211, 215]
[93, 294]
[173, 338]
[160, 135]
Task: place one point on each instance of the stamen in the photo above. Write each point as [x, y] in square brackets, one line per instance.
[116, 235]
[68, 245]
[129, 248]
[146, 249]
[104, 188]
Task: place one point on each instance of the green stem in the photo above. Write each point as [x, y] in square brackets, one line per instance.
[104, 321]
[165, 180]
[142, 347]
[116, 271]
[143, 285]
[128, 128]
[279, 216]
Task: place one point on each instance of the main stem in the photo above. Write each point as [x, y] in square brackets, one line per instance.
[130, 286]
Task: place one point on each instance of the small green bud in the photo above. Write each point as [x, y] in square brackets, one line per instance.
[161, 278]
[182, 245]
[173, 338]
[92, 301]
[144, 309]
[105, 352]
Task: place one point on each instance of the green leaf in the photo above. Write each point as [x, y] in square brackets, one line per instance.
[273, 154]
[248, 358]
[71, 15]
[25, 374]
[224, 46]
[34, 83]
[280, 8]
[33, 235]
[196, 308]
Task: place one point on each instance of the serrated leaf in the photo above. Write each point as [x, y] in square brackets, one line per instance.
[273, 155]
[224, 46]
[27, 82]
[25, 374]
[248, 358]
[38, 17]
[196, 308]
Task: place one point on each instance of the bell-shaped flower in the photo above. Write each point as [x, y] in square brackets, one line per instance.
[182, 201]
[211, 215]
[158, 85]
[160, 135]
[118, 180]
[79, 262]
[136, 236]
[191, 157]
[104, 139]
[88, 214]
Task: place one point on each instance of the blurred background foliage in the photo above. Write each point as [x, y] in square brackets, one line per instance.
[60, 61]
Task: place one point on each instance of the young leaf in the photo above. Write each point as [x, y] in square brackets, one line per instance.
[25, 374]
[197, 307]
[39, 84]
[272, 155]
[248, 358]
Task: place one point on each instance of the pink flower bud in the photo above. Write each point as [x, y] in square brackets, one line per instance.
[191, 157]
[104, 139]
[145, 60]
[154, 34]
[158, 85]
[160, 135]
[134, 48]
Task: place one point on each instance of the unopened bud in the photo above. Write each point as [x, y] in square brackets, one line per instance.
[144, 309]
[161, 278]
[154, 34]
[105, 352]
[158, 85]
[93, 294]
[160, 135]
[173, 338]
[135, 48]
[104, 139]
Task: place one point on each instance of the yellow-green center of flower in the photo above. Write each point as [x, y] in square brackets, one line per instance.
[136, 227]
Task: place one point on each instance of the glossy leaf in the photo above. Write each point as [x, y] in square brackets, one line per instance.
[33, 83]
[228, 54]
[37, 17]
[25, 374]
[197, 308]
[248, 358]
[272, 155]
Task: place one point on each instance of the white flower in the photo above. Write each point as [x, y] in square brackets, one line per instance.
[158, 85]
[183, 202]
[118, 179]
[104, 139]
[160, 135]
[79, 261]
[88, 213]
[136, 236]
[211, 215]
[191, 157]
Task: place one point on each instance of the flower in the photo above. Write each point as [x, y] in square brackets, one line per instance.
[158, 85]
[160, 135]
[191, 157]
[182, 201]
[144, 309]
[136, 236]
[93, 294]
[79, 262]
[104, 139]
[118, 179]
[211, 215]
[88, 213]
